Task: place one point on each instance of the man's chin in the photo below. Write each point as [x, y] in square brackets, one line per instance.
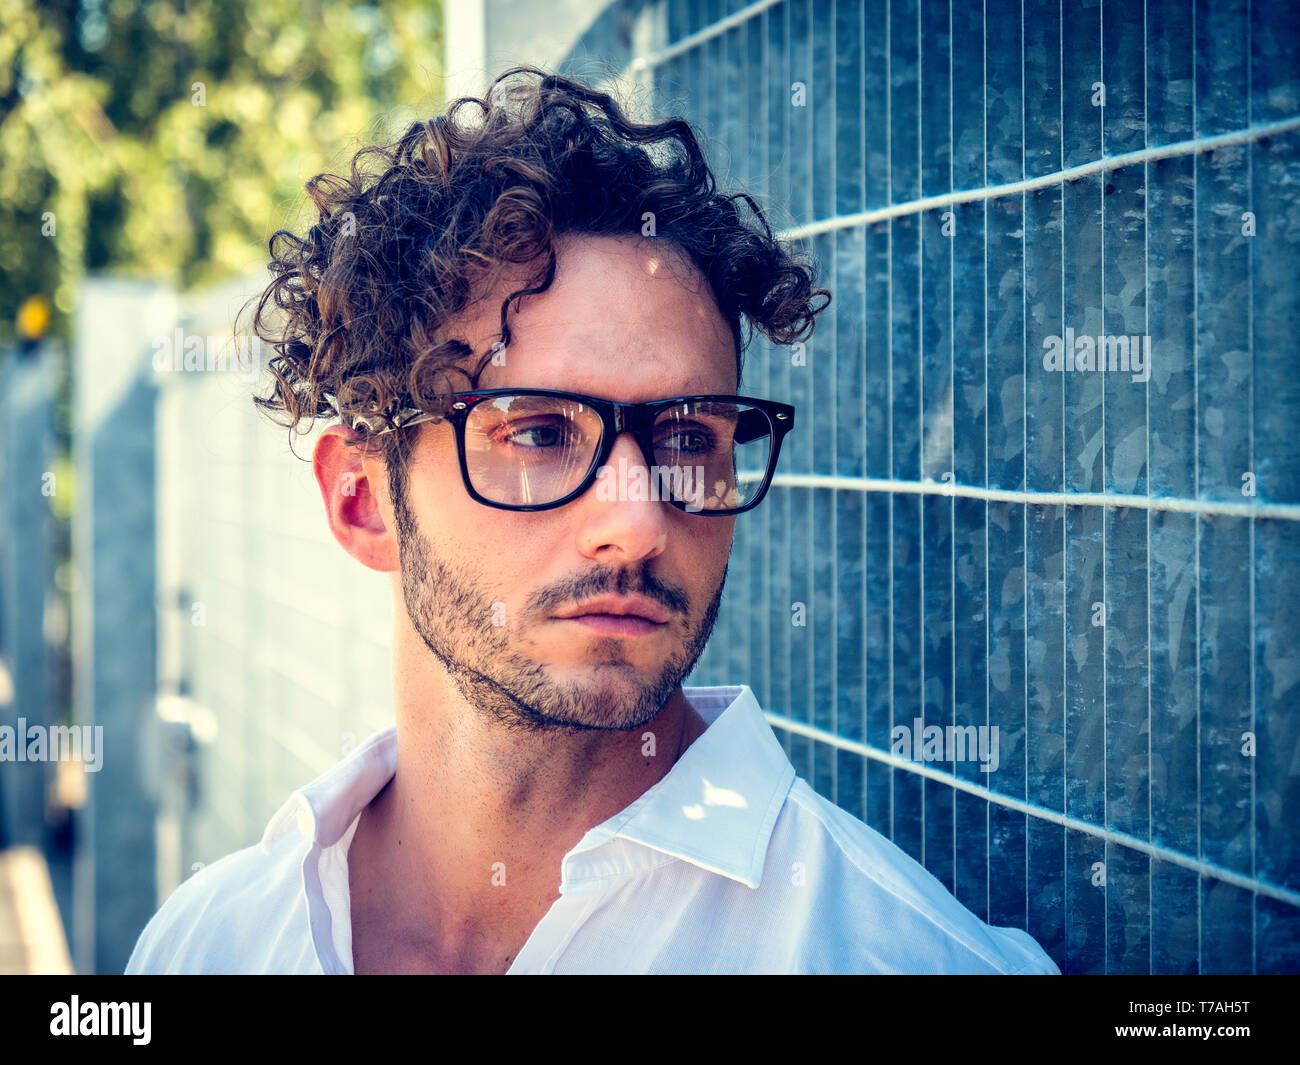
[617, 697]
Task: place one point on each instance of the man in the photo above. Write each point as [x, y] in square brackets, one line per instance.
[551, 799]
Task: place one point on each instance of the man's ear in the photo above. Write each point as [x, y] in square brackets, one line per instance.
[358, 509]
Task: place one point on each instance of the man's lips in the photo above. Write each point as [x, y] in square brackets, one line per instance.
[631, 606]
[617, 624]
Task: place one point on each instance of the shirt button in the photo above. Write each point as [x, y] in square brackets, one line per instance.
[305, 823]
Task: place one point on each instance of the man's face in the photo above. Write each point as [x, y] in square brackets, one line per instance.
[625, 319]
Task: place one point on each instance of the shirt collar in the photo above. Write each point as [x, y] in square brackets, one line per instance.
[716, 808]
[324, 809]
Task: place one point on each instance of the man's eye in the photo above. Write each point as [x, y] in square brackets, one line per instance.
[687, 441]
[531, 436]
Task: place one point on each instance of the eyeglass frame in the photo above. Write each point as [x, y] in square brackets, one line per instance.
[616, 419]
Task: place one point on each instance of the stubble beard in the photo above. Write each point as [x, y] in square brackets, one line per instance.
[455, 621]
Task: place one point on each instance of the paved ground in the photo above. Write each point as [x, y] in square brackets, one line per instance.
[32, 940]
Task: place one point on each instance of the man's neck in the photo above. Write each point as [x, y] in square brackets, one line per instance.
[458, 858]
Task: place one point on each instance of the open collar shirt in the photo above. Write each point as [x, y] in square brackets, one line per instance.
[728, 864]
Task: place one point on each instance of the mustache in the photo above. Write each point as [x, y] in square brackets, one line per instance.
[609, 581]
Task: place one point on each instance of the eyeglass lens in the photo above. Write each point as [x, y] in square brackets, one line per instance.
[524, 450]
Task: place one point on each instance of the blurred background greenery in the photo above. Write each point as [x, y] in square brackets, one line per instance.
[168, 140]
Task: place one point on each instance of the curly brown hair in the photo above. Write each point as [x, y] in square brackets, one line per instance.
[400, 251]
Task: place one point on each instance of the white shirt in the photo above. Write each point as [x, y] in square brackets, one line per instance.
[728, 864]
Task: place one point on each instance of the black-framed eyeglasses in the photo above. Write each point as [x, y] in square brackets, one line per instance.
[536, 449]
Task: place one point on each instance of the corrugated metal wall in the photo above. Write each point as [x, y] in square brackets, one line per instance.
[275, 644]
[1074, 557]
[27, 481]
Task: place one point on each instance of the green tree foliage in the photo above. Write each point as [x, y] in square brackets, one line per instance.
[168, 140]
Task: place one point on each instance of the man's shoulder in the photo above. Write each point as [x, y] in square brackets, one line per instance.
[887, 909]
[236, 915]
[249, 912]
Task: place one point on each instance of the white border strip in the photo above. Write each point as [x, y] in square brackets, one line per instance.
[1122, 839]
[1279, 511]
[646, 62]
[1072, 173]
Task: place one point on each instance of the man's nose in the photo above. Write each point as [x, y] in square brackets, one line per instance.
[626, 515]
[629, 448]
[627, 474]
